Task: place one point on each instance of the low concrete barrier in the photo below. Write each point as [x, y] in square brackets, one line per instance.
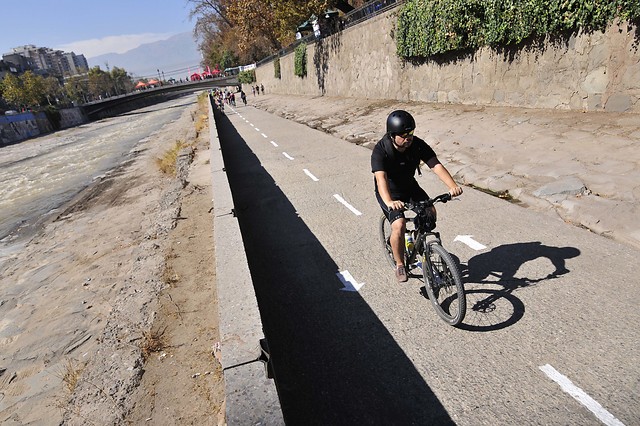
[251, 397]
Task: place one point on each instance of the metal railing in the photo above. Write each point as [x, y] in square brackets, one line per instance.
[368, 11]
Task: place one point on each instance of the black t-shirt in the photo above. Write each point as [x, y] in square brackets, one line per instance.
[400, 166]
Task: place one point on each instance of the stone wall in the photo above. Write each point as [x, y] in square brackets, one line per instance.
[71, 117]
[15, 128]
[591, 72]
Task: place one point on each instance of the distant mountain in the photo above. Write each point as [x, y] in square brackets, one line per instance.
[175, 56]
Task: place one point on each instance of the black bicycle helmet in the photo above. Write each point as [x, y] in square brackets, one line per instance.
[399, 122]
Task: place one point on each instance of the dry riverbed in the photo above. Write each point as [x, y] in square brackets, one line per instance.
[108, 315]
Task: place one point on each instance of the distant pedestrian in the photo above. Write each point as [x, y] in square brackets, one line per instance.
[262, 88]
[253, 89]
[243, 96]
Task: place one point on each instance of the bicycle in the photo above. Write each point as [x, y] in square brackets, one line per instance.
[442, 280]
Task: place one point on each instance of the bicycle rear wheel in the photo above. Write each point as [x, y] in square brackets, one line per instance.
[384, 230]
[443, 284]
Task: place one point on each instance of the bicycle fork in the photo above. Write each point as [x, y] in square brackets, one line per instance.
[422, 251]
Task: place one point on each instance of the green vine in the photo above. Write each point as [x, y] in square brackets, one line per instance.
[276, 68]
[300, 60]
[432, 27]
[247, 77]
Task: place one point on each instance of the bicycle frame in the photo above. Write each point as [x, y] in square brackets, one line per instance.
[422, 239]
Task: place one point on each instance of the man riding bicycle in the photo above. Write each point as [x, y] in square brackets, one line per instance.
[394, 161]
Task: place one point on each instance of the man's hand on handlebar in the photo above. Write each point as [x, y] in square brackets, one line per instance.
[396, 205]
[455, 191]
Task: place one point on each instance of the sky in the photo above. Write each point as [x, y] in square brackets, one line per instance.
[91, 27]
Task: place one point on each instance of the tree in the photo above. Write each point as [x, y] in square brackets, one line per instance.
[122, 82]
[76, 88]
[275, 20]
[53, 91]
[99, 82]
[228, 59]
[34, 89]
[251, 29]
[12, 91]
[28, 90]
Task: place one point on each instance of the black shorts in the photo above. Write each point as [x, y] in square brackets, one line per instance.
[415, 195]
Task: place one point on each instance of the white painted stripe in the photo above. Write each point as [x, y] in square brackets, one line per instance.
[263, 135]
[308, 173]
[350, 284]
[287, 155]
[274, 144]
[468, 240]
[347, 205]
[257, 130]
[251, 124]
[579, 395]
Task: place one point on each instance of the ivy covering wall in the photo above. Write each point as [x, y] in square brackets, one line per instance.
[433, 27]
[276, 68]
[247, 77]
[300, 60]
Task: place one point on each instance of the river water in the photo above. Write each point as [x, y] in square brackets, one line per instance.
[40, 175]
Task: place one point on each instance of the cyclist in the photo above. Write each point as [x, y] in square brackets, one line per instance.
[394, 161]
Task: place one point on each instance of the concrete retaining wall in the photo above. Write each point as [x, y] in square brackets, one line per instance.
[592, 72]
[251, 397]
[72, 117]
[15, 128]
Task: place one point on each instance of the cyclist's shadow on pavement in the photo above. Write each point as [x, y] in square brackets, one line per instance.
[491, 309]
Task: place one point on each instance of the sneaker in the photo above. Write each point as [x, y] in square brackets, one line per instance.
[401, 274]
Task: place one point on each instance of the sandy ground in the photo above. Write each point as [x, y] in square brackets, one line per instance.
[108, 315]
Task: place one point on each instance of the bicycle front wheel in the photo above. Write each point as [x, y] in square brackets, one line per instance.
[443, 284]
[384, 230]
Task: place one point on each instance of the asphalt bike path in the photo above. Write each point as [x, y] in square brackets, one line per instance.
[551, 332]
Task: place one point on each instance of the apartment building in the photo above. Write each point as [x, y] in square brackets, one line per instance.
[46, 60]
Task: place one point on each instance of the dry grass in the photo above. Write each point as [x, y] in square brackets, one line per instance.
[152, 341]
[169, 275]
[71, 374]
[167, 163]
[202, 120]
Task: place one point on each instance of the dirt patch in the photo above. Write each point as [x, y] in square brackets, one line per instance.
[92, 302]
[182, 382]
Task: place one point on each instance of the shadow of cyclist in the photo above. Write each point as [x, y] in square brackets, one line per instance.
[504, 261]
[499, 308]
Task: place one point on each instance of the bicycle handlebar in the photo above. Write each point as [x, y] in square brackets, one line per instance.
[442, 198]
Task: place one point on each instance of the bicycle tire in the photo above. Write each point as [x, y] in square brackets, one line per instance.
[443, 284]
[384, 230]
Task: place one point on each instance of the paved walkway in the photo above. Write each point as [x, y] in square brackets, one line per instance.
[584, 167]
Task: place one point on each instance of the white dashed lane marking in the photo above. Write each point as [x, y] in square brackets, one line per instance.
[347, 205]
[308, 173]
[579, 395]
